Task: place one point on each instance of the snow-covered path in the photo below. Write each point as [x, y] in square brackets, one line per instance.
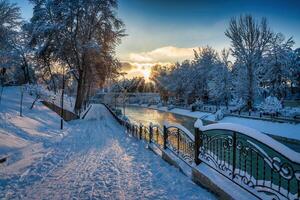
[97, 160]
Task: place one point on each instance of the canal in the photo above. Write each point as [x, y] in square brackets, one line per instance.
[148, 115]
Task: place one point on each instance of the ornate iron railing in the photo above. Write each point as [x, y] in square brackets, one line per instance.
[156, 135]
[252, 160]
[181, 141]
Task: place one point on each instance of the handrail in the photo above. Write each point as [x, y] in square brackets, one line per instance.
[251, 159]
[255, 134]
[179, 126]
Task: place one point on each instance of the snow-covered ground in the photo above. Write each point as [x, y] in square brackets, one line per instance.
[22, 138]
[96, 160]
[45, 94]
[287, 130]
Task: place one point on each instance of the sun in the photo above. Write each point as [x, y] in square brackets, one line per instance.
[146, 74]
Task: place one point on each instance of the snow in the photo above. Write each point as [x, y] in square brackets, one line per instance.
[271, 105]
[22, 138]
[274, 128]
[95, 160]
[287, 130]
[252, 133]
[47, 95]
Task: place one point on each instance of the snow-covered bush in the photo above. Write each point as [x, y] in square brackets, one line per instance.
[220, 114]
[159, 104]
[39, 92]
[118, 112]
[237, 104]
[196, 105]
[271, 105]
[170, 107]
[290, 112]
[125, 118]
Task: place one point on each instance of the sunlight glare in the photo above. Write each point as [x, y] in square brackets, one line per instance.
[146, 74]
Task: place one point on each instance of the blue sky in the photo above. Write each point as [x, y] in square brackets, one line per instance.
[168, 30]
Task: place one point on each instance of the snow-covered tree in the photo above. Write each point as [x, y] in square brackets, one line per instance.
[249, 40]
[159, 75]
[10, 20]
[276, 69]
[295, 81]
[271, 105]
[204, 78]
[79, 36]
[220, 80]
[133, 85]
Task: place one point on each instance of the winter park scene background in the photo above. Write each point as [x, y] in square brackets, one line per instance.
[140, 99]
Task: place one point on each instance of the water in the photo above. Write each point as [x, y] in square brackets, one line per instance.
[147, 115]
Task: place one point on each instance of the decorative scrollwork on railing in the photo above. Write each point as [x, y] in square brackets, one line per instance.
[180, 143]
[216, 151]
[250, 164]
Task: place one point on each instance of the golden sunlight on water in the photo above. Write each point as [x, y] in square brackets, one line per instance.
[146, 116]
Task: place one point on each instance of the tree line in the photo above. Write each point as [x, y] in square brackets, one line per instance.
[263, 64]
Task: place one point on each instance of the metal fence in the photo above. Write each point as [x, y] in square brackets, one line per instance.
[250, 159]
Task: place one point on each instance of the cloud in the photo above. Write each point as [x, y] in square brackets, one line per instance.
[135, 69]
[163, 54]
[126, 66]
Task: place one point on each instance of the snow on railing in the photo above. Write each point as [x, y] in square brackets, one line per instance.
[252, 133]
[179, 126]
[253, 160]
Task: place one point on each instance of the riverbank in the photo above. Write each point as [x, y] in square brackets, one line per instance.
[284, 130]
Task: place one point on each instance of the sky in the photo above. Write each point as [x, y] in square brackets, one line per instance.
[167, 31]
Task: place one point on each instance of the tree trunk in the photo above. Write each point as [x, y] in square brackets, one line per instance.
[80, 91]
[26, 71]
[46, 62]
[250, 87]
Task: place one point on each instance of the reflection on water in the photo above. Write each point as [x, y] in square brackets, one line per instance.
[146, 115]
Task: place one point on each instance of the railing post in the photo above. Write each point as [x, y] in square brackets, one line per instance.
[150, 133]
[165, 137]
[197, 145]
[233, 153]
[141, 131]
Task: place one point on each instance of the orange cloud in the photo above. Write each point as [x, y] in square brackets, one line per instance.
[163, 54]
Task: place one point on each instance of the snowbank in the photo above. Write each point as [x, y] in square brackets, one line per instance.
[21, 138]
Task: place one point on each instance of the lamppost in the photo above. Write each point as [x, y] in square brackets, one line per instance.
[62, 100]
[124, 101]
